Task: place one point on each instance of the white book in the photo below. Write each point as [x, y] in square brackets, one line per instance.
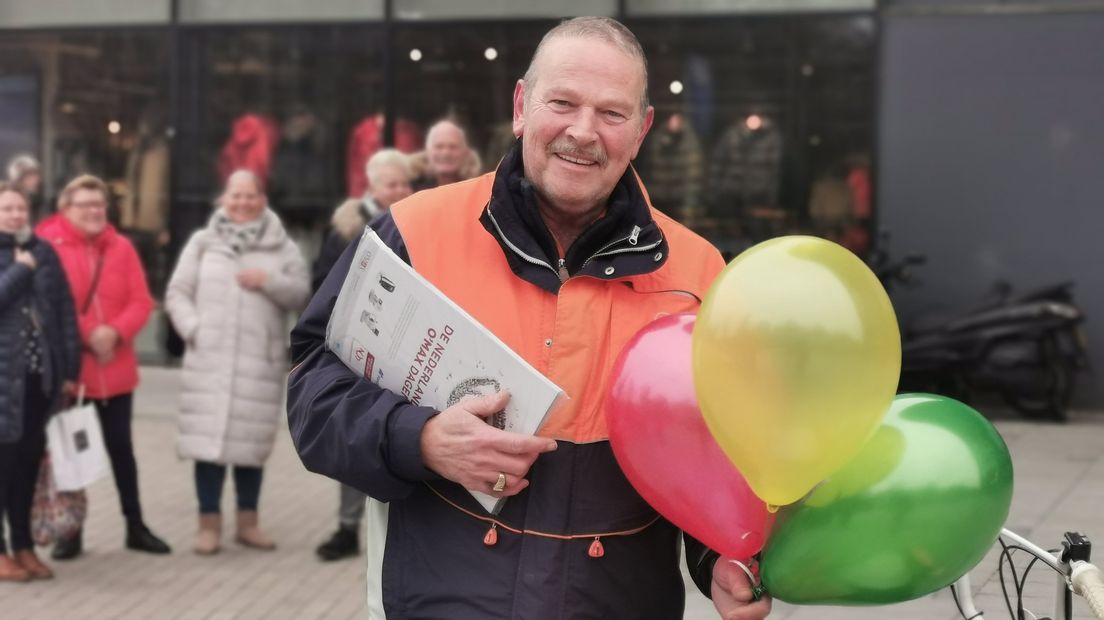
[395, 329]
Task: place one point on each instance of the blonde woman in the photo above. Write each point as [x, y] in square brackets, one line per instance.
[229, 297]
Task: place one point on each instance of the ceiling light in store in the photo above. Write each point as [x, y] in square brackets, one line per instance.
[415, 54]
[754, 122]
[814, 140]
[807, 70]
[114, 127]
[490, 53]
[676, 87]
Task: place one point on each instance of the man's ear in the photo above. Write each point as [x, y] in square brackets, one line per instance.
[519, 108]
[645, 126]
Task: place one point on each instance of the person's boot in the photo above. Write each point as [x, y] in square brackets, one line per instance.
[140, 538]
[343, 544]
[68, 548]
[210, 532]
[30, 563]
[249, 534]
[10, 570]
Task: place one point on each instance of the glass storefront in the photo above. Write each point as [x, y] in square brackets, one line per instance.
[94, 101]
[298, 105]
[764, 123]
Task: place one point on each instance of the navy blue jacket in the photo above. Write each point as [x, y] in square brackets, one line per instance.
[44, 293]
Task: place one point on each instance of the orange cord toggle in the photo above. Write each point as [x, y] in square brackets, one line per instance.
[491, 537]
[596, 549]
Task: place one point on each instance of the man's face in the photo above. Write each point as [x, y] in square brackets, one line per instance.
[13, 212]
[87, 211]
[446, 151]
[390, 186]
[30, 183]
[581, 124]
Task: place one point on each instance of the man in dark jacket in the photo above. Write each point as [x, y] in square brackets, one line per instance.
[388, 174]
[560, 255]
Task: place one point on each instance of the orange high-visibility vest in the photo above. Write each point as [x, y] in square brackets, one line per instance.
[573, 338]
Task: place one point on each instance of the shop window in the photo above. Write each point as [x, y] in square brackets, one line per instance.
[100, 101]
[292, 104]
[764, 126]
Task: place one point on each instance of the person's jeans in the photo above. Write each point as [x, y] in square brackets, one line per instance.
[209, 478]
[351, 512]
[19, 463]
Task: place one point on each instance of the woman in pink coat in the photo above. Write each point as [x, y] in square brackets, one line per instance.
[112, 302]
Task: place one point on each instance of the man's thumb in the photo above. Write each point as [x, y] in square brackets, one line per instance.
[488, 404]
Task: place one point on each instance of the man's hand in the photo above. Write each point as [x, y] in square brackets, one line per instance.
[460, 446]
[252, 279]
[732, 593]
[25, 257]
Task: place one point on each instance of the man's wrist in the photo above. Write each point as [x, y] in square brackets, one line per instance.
[405, 441]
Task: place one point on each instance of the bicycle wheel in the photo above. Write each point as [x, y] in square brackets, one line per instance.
[1049, 396]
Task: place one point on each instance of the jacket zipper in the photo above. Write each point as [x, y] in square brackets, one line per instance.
[99, 317]
[561, 273]
[632, 239]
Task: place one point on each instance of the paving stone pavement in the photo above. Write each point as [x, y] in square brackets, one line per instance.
[1057, 488]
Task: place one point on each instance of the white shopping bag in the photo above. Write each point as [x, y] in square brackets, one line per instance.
[76, 446]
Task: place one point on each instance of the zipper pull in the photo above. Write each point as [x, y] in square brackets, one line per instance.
[634, 235]
[563, 270]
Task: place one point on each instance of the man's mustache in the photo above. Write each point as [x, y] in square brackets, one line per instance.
[568, 147]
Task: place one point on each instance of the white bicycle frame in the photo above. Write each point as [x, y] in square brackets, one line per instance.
[1080, 577]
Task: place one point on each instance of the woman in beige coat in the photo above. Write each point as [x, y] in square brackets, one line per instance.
[229, 298]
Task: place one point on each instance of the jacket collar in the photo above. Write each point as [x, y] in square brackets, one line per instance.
[58, 228]
[8, 240]
[272, 234]
[626, 241]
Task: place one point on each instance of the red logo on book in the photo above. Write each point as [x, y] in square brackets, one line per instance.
[369, 364]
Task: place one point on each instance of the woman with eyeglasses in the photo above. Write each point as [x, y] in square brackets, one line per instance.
[112, 301]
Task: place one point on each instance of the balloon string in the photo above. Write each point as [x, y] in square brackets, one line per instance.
[757, 589]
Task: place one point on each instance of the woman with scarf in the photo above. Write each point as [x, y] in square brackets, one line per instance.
[40, 361]
[229, 297]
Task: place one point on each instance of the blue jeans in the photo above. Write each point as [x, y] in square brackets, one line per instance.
[209, 478]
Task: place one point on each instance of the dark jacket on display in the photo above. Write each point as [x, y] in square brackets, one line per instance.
[40, 295]
[745, 170]
[579, 542]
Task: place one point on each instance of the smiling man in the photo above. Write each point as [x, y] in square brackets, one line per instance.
[560, 255]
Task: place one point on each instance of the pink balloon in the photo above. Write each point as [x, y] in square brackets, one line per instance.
[662, 444]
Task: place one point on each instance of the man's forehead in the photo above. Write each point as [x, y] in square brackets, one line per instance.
[577, 55]
[445, 132]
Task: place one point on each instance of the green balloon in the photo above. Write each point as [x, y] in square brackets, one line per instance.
[918, 507]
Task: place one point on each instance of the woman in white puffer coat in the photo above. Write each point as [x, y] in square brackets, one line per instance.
[229, 298]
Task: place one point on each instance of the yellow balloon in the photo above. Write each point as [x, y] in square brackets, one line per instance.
[796, 356]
